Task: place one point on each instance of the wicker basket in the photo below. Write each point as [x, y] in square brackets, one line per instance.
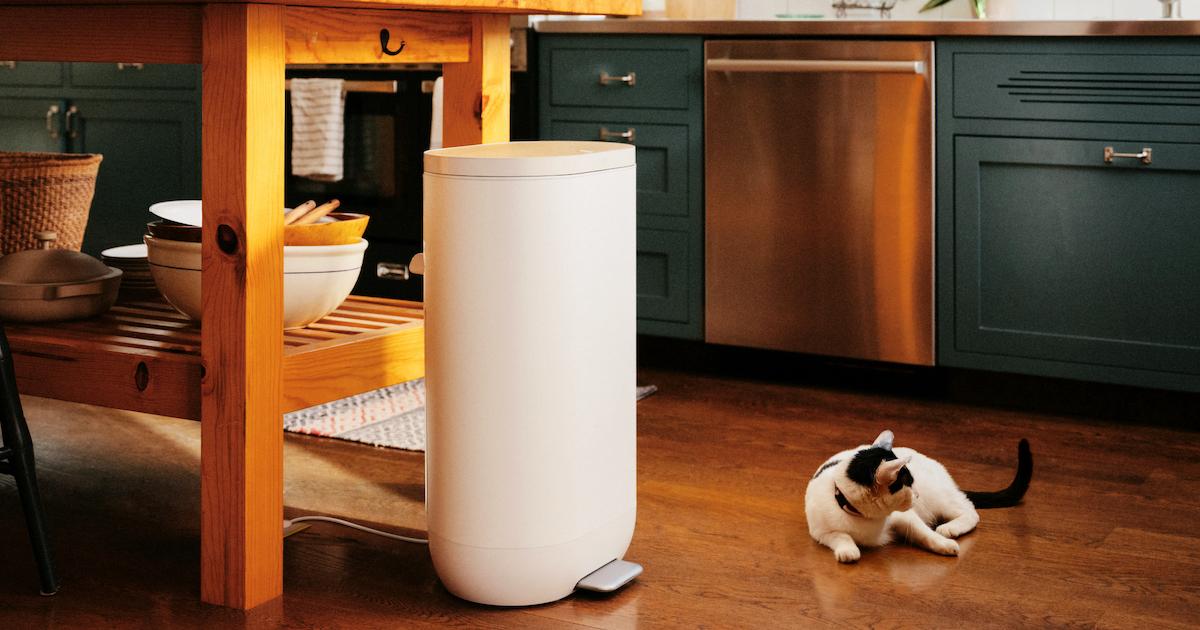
[45, 191]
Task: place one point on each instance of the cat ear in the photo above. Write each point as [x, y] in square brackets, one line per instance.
[884, 440]
[887, 472]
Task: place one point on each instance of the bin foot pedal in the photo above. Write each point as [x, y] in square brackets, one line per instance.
[610, 577]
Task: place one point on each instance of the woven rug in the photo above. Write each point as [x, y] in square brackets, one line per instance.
[392, 417]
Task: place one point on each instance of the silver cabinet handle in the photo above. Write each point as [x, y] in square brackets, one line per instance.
[11, 65]
[71, 126]
[816, 65]
[620, 136]
[1144, 156]
[51, 125]
[392, 271]
[128, 66]
[628, 79]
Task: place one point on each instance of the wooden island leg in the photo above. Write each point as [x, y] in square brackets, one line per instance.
[477, 91]
[241, 485]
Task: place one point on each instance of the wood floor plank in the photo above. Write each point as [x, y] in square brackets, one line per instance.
[1104, 539]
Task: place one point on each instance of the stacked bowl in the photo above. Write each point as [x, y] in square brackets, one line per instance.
[317, 278]
[137, 283]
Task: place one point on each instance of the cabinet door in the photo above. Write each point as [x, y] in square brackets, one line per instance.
[151, 153]
[662, 275]
[1060, 256]
[32, 124]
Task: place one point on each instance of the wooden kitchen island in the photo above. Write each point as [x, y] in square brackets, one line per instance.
[244, 49]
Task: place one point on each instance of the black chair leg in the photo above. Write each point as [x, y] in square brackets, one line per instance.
[17, 442]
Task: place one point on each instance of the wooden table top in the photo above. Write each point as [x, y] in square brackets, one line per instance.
[609, 7]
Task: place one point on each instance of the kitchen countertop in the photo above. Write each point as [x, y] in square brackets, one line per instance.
[879, 28]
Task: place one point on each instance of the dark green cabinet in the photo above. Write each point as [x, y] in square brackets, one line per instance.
[151, 153]
[1064, 247]
[647, 91]
[31, 73]
[32, 124]
[144, 119]
[662, 159]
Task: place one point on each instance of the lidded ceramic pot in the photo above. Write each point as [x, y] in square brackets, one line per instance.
[50, 285]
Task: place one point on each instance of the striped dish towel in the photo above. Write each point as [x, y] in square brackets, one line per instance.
[318, 112]
[435, 122]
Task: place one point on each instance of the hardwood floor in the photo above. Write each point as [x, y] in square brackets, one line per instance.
[1106, 537]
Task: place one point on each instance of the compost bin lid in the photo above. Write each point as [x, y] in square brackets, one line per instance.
[529, 159]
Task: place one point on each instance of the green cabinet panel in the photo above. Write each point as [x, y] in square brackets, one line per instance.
[661, 114]
[662, 160]
[151, 153]
[1113, 280]
[662, 275]
[1145, 88]
[31, 73]
[32, 124]
[658, 78]
[144, 120]
[1051, 259]
[132, 75]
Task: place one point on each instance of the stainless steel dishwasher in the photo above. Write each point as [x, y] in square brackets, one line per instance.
[819, 197]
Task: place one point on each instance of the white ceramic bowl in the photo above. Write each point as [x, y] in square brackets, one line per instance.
[316, 278]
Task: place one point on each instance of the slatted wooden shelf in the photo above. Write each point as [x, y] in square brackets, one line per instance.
[145, 356]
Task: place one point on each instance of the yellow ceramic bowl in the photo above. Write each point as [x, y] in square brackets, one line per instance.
[346, 228]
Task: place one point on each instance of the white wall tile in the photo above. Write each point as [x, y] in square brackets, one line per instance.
[961, 9]
[1024, 9]
[1083, 9]
[957, 10]
[760, 9]
[1135, 9]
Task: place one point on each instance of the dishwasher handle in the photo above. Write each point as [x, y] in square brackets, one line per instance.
[816, 65]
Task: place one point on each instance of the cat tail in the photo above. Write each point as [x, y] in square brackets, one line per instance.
[1011, 495]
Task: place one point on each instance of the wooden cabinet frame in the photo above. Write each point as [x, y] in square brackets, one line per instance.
[245, 373]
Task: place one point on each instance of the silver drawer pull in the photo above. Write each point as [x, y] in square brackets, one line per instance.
[628, 79]
[130, 66]
[1144, 156]
[816, 65]
[72, 127]
[620, 136]
[51, 124]
[11, 65]
[392, 271]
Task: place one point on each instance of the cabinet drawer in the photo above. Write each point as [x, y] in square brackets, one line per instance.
[132, 75]
[662, 275]
[1059, 256]
[1145, 88]
[660, 78]
[662, 160]
[31, 73]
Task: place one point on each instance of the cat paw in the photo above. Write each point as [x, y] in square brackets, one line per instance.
[948, 530]
[847, 554]
[945, 547]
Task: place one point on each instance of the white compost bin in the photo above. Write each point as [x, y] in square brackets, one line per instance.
[530, 339]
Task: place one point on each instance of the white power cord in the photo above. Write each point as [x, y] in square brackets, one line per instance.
[287, 523]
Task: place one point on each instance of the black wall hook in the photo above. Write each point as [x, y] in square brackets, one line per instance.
[384, 35]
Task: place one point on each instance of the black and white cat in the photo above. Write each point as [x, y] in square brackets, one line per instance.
[871, 494]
